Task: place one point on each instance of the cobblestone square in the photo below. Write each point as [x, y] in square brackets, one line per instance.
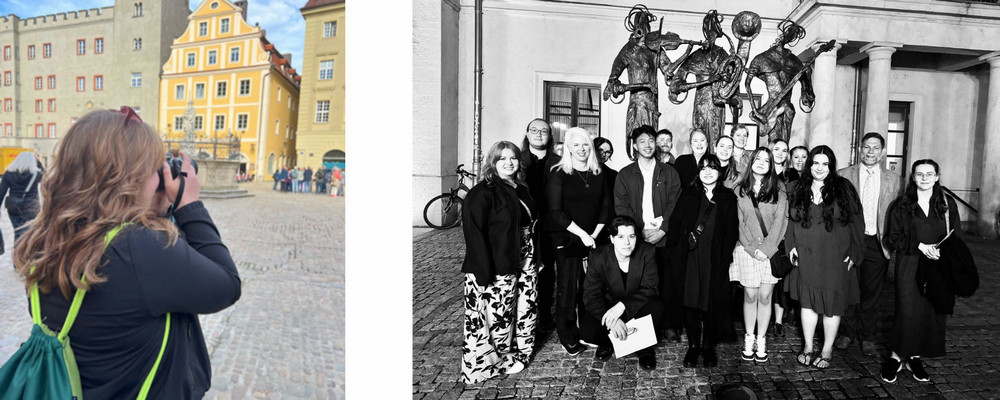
[970, 370]
[284, 338]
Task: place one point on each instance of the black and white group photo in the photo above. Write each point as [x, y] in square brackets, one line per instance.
[726, 199]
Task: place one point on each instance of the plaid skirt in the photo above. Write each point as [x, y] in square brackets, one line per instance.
[749, 271]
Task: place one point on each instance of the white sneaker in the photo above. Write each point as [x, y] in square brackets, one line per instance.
[748, 344]
[591, 345]
[517, 367]
[761, 354]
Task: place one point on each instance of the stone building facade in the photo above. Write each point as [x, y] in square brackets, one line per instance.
[321, 117]
[236, 83]
[56, 68]
[924, 73]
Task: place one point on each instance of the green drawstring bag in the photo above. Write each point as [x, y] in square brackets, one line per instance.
[44, 367]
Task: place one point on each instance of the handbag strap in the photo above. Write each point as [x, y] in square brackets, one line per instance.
[763, 228]
[704, 216]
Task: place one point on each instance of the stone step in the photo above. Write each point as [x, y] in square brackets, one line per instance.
[224, 193]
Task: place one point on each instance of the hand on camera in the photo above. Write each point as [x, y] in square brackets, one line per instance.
[192, 186]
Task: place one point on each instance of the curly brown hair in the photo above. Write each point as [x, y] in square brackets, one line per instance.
[95, 185]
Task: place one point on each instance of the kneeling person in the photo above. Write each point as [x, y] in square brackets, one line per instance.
[621, 286]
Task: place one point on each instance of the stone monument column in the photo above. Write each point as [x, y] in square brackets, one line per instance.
[823, 81]
[989, 195]
[877, 99]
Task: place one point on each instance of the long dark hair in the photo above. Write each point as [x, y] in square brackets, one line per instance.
[835, 189]
[938, 202]
[768, 186]
[526, 147]
[490, 165]
[708, 160]
[731, 170]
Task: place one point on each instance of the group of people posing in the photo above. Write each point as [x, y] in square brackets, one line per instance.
[299, 180]
[671, 238]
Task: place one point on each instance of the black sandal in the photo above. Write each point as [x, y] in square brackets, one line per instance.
[806, 358]
[816, 362]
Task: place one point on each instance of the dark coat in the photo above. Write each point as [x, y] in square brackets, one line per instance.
[687, 170]
[603, 286]
[491, 220]
[22, 197]
[666, 190]
[683, 220]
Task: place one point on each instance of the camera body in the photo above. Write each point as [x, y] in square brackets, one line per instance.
[176, 163]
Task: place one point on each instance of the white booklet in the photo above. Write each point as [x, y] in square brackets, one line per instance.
[640, 336]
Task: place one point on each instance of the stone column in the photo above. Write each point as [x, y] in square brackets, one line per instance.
[823, 81]
[877, 99]
[989, 195]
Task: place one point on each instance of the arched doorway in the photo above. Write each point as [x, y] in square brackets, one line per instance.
[334, 158]
[270, 164]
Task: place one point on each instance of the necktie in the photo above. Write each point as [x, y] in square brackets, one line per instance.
[869, 198]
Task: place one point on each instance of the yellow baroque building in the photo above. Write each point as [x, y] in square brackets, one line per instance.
[321, 117]
[244, 94]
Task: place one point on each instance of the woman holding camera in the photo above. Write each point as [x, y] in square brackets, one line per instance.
[706, 219]
[153, 275]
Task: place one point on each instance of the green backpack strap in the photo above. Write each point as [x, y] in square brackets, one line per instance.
[74, 309]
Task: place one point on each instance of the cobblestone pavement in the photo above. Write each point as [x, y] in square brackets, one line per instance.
[284, 338]
[969, 371]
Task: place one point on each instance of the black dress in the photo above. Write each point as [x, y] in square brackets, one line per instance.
[914, 313]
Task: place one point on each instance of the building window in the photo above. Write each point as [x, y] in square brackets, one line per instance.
[39, 130]
[896, 143]
[242, 120]
[6, 78]
[46, 50]
[573, 104]
[220, 90]
[52, 105]
[322, 111]
[234, 54]
[214, 5]
[753, 140]
[81, 84]
[202, 28]
[325, 70]
[8, 104]
[52, 130]
[99, 46]
[8, 130]
[212, 57]
[99, 82]
[31, 52]
[81, 47]
[197, 123]
[179, 92]
[224, 25]
[330, 29]
[136, 79]
[137, 12]
[137, 44]
[178, 123]
[277, 124]
[244, 87]
[6, 53]
[39, 106]
[38, 83]
[220, 122]
[199, 90]
[52, 81]
[190, 59]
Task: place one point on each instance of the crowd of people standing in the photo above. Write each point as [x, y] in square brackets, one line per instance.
[301, 180]
[771, 236]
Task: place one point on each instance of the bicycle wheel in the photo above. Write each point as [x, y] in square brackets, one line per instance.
[443, 211]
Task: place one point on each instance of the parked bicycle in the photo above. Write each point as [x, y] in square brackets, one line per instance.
[445, 210]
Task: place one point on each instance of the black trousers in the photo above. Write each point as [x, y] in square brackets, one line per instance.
[569, 299]
[671, 287]
[598, 334]
[859, 320]
[698, 322]
[546, 281]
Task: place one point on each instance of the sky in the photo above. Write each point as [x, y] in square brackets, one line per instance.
[280, 18]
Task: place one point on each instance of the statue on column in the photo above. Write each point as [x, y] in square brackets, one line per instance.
[187, 144]
[642, 56]
[779, 68]
[717, 73]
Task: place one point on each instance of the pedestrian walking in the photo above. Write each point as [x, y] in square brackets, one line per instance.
[498, 222]
[705, 223]
[580, 203]
[918, 219]
[21, 180]
[145, 288]
[620, 287]
[763, 217]
[825, 237]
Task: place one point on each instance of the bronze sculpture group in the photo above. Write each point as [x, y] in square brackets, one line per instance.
[717, 74]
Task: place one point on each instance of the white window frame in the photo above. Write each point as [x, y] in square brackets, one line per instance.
[330, 29]
[242, 81]
[221, 88]
[242, 121]
[199, 122]
[202, 28]
[224, 25]
[216, 122]
[99, 45]
[81, 47]
[179, 93]
[324, 73]
[178, 123]
[199, 90]
[192, 59]
[322, 113]
[213, 57]
[234, 51]
[136, 80]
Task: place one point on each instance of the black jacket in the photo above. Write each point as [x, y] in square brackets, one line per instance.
[21, 198]
[491, 223]
[603, 286]
[666, 190]
[119, 329]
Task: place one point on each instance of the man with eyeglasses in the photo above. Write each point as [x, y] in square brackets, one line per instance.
[647, 191]
[539, 158]
[878, 187]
